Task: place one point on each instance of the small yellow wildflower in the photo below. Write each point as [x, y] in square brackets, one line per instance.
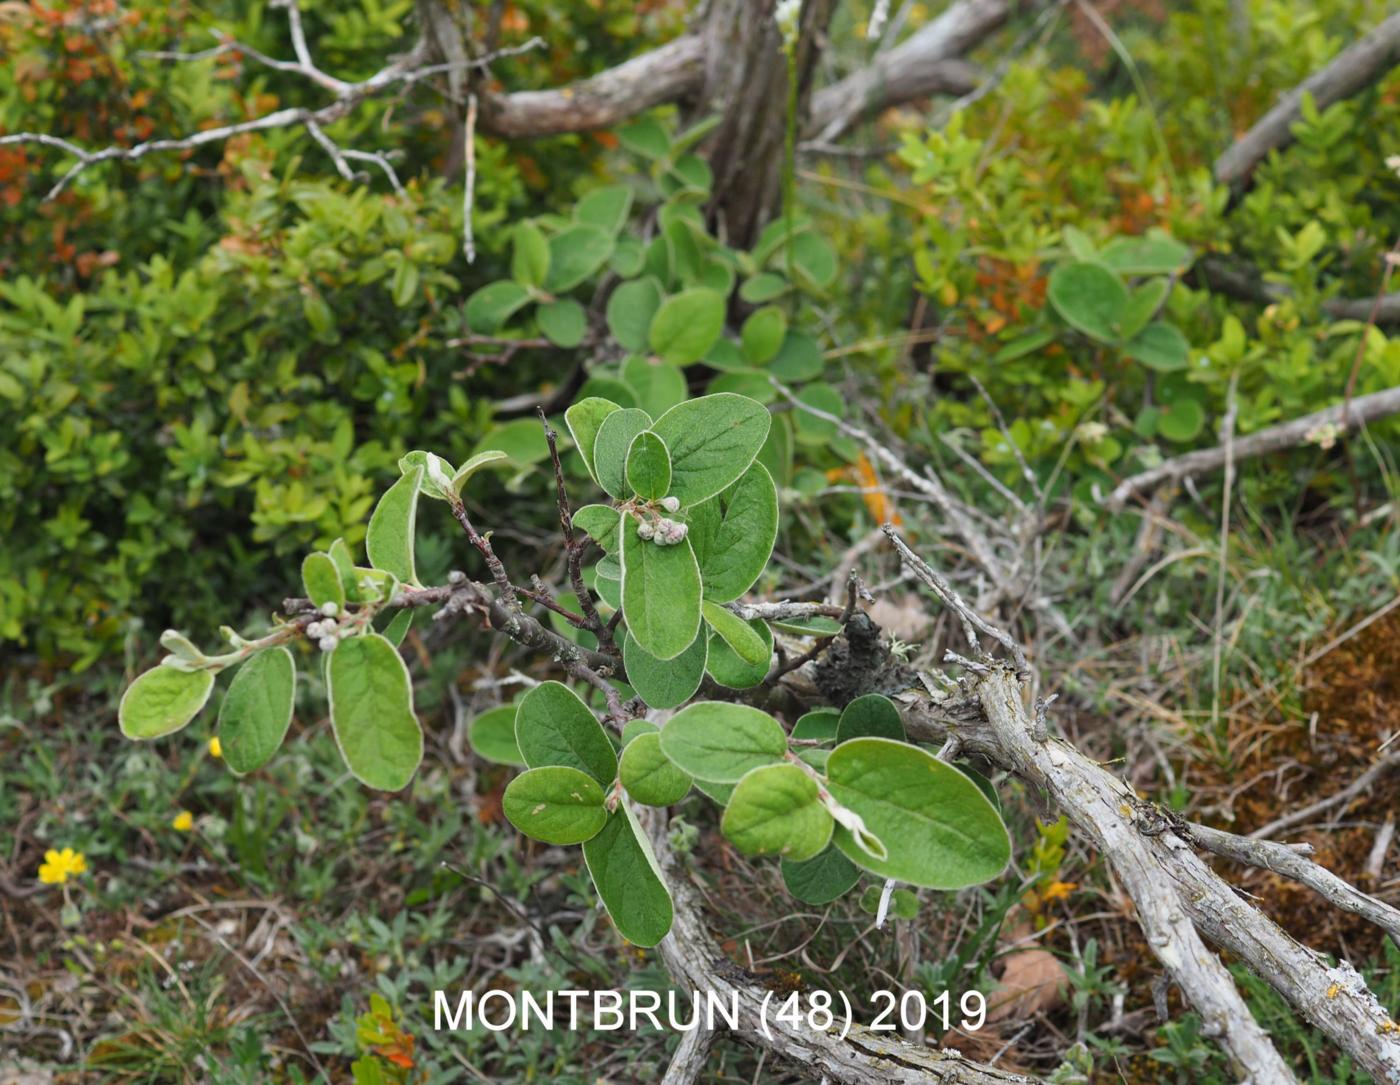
[59, 865]
[184, 822]
[215, 749]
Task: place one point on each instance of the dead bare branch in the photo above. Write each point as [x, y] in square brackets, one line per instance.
[927, 63]
[1355, 68]
[863, 1057]
[1335, 421]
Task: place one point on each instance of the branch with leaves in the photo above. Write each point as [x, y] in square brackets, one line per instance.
[686, 530]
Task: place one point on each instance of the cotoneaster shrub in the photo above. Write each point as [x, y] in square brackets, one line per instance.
[686, 528]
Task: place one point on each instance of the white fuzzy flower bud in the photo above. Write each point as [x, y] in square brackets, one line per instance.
[438, 476]
[330, 610]
[327, 644]
[315, 630]
[456, 576]
[645, 530]
[671, 504]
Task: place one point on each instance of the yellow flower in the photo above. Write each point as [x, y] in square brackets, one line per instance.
[58, 865]
[215, 750]
[184, 822]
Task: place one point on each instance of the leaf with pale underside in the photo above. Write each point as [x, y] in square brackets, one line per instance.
[389, 537]
[162, 701]
[371, 702]
[257, 709]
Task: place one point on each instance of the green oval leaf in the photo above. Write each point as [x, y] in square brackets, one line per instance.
[762, 334]
[719, 742]
[606, 208]
[649, 467]
[729, 670]
[1160, 346]
[665, 683]
[615, 436]
[819, 724]
[389, 538]
[1090, 298]
[529, 258]
[658, 385]
[556, 805]
[492, 736]
[798, 359]
[1182, 421]
[321, 579]
[733, 534]
[473, 465]
[600, 523]
[575, 255]
[742, 638]
[777, 810]
[162, 701]
[371, 701]
[871, 716]
[712, 440]
[648, 774]
[583, 419]
[624, 871]
[1153, 255]
[257, 709]
[554, 727]
[490, 307]
[822, 879]
[563, 322]
[938, 829]
[687, 325]
[631, 309]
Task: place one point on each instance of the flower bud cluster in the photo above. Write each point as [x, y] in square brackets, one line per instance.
[664, 532]
[327, 633]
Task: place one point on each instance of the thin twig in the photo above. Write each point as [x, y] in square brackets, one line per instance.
[573, 548]
[469, 188]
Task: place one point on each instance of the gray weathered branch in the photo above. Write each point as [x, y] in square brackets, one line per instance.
[863, 1057]
[927, 63]
[665, 74]
[1355, 68]
[1239, 282]
[1345, 417]
[1291, 863]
